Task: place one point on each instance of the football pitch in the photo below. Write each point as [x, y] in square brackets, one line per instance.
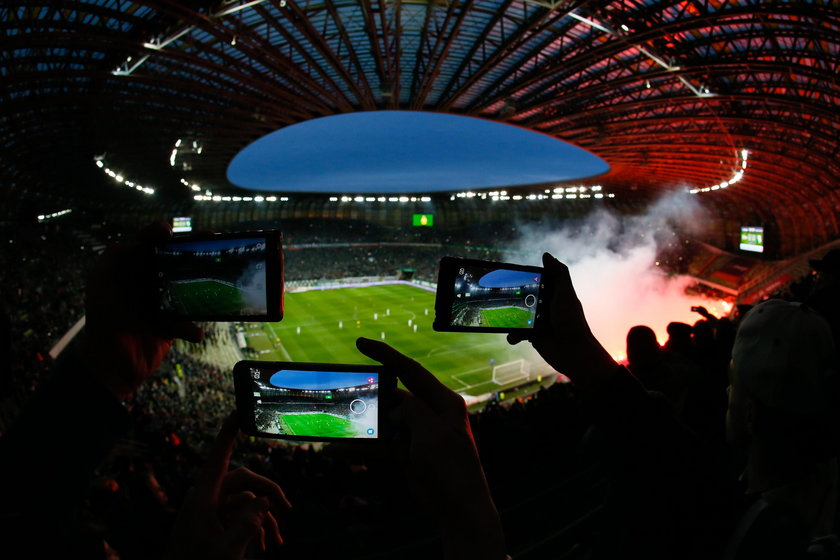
[322, 326]
[320, 425]
[505, 317]
[218, 297]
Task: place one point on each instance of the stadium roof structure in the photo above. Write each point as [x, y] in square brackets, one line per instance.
[736, 101]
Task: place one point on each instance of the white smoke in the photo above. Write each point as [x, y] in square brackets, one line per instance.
[251, 285]
[612, 261]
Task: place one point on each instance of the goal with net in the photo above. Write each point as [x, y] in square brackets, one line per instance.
[504, 374]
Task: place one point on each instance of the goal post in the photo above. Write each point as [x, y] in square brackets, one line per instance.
[510, 372]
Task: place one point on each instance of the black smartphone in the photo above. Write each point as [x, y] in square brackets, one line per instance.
[313, 401]
[486, 296]
[221, 277]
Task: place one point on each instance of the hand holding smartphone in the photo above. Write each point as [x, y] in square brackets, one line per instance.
[312, 401]
[487, 296]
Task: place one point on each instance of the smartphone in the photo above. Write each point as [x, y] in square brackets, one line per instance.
[313, 401]
[221, 277]
[486, 296]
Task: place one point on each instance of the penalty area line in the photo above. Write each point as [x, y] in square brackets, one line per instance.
[278, 344]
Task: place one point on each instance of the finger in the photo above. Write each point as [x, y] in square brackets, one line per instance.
[238, 500]
[557, 276]
[550, 262]
[561, 279]
[272, 529]
[415, 377]
[245, 480]
[515, 338]
[236, 504]
[245, 504]
[211, 476]
[243, 524]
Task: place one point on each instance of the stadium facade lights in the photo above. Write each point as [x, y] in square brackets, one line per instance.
[193, 186]
[54, 215]
[207, 197]
[400, 199]
[189, 147]
[119, 178]
[557, 193]
[737, 175]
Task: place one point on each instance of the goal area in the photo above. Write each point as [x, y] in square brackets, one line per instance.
[510, 372]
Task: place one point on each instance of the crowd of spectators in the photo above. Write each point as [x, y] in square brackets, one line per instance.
[348, 497]
[42, 275]
[44, 266]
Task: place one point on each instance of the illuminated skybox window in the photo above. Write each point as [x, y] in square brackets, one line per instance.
[406, 151]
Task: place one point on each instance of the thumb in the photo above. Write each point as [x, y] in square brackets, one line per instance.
[244, 523]
[515, 338]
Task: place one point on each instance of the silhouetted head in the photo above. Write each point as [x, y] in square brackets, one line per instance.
[642, 347]
[783, 380]
[679, 337]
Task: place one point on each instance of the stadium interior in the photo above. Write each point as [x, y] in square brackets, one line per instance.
[718, 120]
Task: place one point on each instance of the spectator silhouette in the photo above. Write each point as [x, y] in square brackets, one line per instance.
[672, 496]
[783, 415]
[679, 344]
[705, 405]
[643, 350]
[646, 362]
[48, 457]
[825, 296]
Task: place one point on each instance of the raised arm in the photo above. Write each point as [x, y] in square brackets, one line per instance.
[444, 466]
[568, 345]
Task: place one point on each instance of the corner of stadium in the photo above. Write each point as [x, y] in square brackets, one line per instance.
[717, 121]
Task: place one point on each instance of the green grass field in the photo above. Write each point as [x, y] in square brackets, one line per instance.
[331, 320]
[319, 425]
[190, 296]
[506, 317]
